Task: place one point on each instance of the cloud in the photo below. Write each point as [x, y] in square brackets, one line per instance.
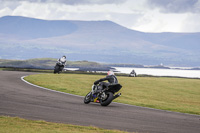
[72, 2]
[143, 15]
[155, 21]
[191, 23]
[80, 2]
[175, 6]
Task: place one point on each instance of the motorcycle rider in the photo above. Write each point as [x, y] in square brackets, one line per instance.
[112, 79]
[62, 61]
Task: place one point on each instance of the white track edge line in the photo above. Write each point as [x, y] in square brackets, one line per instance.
[22, 78]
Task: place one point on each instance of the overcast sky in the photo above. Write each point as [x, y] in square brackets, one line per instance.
[141, 15]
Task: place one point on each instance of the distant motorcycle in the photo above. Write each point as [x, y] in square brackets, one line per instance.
[105, 96]
[59, 67]
[132, 74]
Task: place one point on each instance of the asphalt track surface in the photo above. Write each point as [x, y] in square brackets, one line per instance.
[18, 98]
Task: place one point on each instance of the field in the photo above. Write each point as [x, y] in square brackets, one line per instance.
[173, 94]
[19, 125]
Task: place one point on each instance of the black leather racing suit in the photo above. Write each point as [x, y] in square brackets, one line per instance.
[112, 79]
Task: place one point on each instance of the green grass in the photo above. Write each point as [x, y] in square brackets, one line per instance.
[19, 125]
[174, 94]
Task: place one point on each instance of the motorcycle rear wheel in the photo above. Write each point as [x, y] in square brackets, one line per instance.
[108, 100]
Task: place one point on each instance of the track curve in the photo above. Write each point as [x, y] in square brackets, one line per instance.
[18, 98]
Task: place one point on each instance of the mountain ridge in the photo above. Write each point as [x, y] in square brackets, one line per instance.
[103, 41]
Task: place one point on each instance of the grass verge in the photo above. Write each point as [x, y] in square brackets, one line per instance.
[19, 125]
[173, 94]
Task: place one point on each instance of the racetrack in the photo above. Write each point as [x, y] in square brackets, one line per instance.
[18, 98]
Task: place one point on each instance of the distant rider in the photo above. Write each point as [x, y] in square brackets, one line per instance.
[112, 79]
[62, 62]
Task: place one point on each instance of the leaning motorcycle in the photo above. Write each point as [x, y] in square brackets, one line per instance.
[105, 96]
[59, 67]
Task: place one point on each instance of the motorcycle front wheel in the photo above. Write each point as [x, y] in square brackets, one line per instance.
[56, 69]
[87, 98]
[108, 100]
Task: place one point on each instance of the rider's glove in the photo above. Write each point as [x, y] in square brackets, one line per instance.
[96, 82]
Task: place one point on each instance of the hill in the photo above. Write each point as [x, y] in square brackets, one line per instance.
[101, 41]
[49, 63]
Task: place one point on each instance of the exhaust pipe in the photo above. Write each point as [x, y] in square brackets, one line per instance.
[117, 95]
